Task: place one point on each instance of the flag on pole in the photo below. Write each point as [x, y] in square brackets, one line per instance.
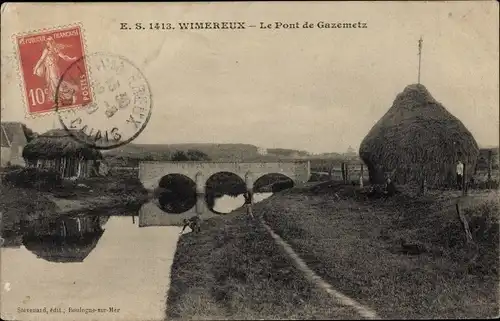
[419, 56]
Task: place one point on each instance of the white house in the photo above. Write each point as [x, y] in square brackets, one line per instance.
[12, 142]
[262, 151]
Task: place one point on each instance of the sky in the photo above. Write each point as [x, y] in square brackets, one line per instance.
[319, 90]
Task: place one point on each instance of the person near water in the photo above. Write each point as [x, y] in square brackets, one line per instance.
[460, 174]
[248, 203]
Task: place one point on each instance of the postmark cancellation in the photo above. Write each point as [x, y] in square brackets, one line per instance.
[121, 105]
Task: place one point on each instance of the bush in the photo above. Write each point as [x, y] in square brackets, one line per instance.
[11, 167]
[33, 178]
[318, 177]
[125, 185]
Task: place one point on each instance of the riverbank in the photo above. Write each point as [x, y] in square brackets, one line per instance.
[108, 194]
[354, 244]
[233, 269]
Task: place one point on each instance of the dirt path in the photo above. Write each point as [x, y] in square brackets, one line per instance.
[337, 297]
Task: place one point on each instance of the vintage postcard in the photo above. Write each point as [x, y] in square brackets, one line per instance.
[249, 160]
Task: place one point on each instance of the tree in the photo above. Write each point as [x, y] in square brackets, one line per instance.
[196, 155]
[190, 155]
[179, 156]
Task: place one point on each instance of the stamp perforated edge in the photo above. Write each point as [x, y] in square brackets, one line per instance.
[19, 69]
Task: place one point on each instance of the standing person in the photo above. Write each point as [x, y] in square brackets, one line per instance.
[390, 188]
[248, 203]
[460, 174]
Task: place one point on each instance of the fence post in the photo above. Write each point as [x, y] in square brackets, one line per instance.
[423, 186]
[465, 224]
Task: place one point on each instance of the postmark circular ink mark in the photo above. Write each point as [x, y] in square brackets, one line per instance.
[117, 101]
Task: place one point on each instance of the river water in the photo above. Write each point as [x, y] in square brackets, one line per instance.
[226, 203]
[92, 268]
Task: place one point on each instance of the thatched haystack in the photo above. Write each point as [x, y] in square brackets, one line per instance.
[418, 139]
[57, 149]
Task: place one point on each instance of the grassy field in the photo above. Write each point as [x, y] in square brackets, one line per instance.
[234, 270]
[355, 245]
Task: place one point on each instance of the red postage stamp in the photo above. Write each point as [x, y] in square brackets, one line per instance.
[44, 58]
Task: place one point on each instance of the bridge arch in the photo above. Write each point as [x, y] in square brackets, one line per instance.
[176, 193]
[223, 184]
[273, 182]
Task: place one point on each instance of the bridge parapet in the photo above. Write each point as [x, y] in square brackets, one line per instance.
[150, 174]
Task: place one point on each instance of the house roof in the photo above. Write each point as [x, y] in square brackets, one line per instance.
[58, 143]
[10, 130]
[4, 139]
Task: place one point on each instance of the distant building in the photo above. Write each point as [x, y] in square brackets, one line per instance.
[351, 153]
[12, 142]
[261, 151]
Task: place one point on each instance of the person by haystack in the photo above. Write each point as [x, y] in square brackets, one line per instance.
[460, 174]
[390, 188]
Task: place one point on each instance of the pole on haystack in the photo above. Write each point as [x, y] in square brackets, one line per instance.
[419, 56]
[490, 156]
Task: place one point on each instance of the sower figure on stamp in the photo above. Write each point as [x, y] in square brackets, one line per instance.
[460, 174]
[48, 68]
[248, 203]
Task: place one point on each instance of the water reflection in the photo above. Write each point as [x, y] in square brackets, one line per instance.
[63, 239]
[227, 203]
[60, 239]
[71, 239]
[107, 255]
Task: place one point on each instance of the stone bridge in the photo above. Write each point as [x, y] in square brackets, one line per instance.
[150, 174]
